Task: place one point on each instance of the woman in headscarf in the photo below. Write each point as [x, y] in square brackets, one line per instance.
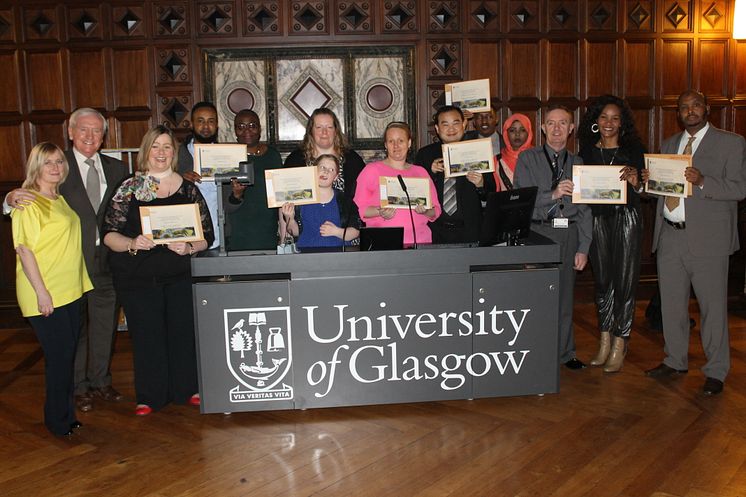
[518, 136]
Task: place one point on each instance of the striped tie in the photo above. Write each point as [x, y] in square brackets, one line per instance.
[449, 196]
[673, 202]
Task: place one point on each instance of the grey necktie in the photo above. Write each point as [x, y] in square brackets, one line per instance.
[93, 184]
[673, 202]
[449, 196]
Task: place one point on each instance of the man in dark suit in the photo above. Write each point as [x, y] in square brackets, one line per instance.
[694, 238]
[88, 189]
[461, 197]
[485, 123]
[549, 167]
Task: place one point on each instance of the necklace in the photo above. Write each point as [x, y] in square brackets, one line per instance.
[603, 159]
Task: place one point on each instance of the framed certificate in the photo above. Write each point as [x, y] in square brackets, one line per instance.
[299, 185]
[461, 158]
[392, 195]
[473, 96]
[214, 158]
[598, 185]
[667, 175]
[172, 223]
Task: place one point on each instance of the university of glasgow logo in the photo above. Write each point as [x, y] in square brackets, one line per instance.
[258, 349]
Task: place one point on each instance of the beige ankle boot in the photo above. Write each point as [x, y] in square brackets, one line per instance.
[616, 357]
[603, 349]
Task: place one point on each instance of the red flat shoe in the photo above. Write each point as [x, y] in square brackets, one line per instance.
[143, 410]
[194, 400]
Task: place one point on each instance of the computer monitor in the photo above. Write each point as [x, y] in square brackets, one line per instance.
[507, 217]
[389, 238]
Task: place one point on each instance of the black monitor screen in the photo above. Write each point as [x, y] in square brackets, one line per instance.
[507, 217]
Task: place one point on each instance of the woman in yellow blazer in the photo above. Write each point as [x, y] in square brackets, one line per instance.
[51, 278]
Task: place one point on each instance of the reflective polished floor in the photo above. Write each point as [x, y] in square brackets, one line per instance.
[602, 436]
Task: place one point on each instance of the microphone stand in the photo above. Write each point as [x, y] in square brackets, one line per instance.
[409, 204]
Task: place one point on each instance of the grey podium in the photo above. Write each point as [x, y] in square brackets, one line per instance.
[356, 328]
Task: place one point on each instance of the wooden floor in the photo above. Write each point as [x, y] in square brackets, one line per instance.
[602, 436]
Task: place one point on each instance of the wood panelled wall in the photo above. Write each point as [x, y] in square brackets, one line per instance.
[141, 62]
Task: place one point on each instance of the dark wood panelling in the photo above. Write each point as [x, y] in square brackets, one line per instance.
[399, 17]
[524, 80]
[643, 122]
[445, 60]
[713, 68]
[676, 16]
[601, 16]
[85, 23]
[308, 17]
[262, 18]
[562, 70]
[484, 16]
[128, 21]
[484, 63]
[132, 82]
[216, 18]
[739, 69]
[668, 123]
[171, 19]
[600, 68]
[42, 24]
[639, 73]
[443, 17]
[50, 132]
[10, 97]
[562, 15]
[739, 119]
[12, 153]
[714, 16]
[676, 67]
[87, 69]
[45, 82]
[640, 16]
[173, 66]
[524, 16]
[130, 132]
[7, 24]
[354, 17]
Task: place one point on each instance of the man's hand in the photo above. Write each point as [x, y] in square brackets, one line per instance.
[580, 261]
[192, 176]
[476, 178]
[19, 197]
[437, 166]
[564, 187]
[693, 176]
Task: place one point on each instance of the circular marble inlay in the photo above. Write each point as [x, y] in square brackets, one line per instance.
[240, 99]
[379, 97]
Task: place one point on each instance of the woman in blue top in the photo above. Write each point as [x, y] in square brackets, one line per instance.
[322, 225]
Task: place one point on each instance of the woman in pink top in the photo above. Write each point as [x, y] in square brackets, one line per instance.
[397, 140]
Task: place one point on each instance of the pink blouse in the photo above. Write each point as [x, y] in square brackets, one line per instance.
[367, 195]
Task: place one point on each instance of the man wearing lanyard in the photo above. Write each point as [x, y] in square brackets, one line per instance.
[694, 238]
[556, 217]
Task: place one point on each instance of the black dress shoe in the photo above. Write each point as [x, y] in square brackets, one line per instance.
[575, 363]
[84, 402]
[108, 393]
[75, 425]
[68, 433]
[712, 386]
[664, 371]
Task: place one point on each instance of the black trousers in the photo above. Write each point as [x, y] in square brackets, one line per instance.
[615, 258]
[161, 323]
[58, 335]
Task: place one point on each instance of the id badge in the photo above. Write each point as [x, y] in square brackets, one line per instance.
[560, 222]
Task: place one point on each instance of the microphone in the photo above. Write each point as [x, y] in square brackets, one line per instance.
[409, 204]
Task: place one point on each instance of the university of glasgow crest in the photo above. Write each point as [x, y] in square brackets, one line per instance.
[258, 349]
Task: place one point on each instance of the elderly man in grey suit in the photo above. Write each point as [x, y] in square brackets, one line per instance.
[694, 238]
[89, 186]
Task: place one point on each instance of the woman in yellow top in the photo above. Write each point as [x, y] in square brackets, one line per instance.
[51, 278]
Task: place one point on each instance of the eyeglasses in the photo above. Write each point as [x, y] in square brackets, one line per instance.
[245, 126]
[58, 162]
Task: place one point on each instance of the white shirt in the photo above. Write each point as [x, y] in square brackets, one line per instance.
[678, 215]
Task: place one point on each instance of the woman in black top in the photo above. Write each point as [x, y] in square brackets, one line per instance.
[153, 282]
[608, 136]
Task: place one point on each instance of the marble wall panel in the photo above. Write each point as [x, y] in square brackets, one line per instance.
[379, 95]
[239, 84]
[316, 80]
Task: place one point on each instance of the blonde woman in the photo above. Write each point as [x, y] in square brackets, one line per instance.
[51, 278]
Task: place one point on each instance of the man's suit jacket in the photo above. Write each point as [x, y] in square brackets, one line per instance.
[73, 189]
[711, 212]
[186, 161]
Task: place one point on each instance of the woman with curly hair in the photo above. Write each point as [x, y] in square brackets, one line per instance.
[324, 136]
[608, 136]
